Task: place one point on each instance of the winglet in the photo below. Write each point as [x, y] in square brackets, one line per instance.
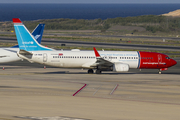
[16, 20]
[96, 52]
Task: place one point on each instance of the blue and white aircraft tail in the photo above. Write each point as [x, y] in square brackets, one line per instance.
[37, 33]
[26, 40]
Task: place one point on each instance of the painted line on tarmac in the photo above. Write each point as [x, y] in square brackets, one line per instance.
[80, 90]
[96, 90]
[50, 118]
[114, 89]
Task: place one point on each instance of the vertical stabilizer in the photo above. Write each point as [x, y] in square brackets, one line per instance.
[38, 32]
[25, 39]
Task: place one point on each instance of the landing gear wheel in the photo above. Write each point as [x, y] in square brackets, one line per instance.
[90, 71]
[98, 71]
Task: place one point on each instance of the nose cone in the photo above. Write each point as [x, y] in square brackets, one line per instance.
[173, 62]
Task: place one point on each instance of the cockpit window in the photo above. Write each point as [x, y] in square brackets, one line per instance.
[167, 57]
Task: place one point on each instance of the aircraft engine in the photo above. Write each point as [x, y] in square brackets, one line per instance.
[120, 67]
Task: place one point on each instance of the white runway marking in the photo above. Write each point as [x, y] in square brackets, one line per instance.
[96, 90]
[114, 89]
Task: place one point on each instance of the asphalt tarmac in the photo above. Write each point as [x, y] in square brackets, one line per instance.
[28, 91]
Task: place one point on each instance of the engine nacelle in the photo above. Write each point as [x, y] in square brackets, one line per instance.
[120, 67]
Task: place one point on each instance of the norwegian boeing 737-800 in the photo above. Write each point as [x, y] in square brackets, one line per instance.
[116, 61]
[10, 54]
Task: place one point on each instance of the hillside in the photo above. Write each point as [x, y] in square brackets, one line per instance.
[150, 23]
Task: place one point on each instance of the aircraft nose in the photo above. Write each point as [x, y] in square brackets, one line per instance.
[174, 62]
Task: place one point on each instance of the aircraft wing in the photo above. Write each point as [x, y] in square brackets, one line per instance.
[2, 56]
[101, 61]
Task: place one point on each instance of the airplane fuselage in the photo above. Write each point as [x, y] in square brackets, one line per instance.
[86, 59]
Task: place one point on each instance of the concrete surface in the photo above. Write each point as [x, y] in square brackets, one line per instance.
[27, 91]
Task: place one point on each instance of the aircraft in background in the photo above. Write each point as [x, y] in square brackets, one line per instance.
[116, 61]
[10, 54]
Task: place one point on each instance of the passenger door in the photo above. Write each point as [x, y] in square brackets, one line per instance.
[45, 57]
[160, 60]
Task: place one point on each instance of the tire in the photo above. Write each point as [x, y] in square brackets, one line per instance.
[90, 71]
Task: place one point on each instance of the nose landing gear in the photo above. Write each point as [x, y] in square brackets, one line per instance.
[162, 69]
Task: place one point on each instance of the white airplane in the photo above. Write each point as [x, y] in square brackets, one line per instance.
[116, 61]
[10, 54]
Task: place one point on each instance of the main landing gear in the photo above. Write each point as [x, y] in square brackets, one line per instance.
[98, 71]
[90, 71]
